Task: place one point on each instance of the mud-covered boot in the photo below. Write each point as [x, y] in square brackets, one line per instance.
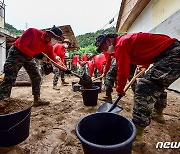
[65, 83]
[158, 116]
[39, 102]
[56, 87]
[107, 98]
[138, 142]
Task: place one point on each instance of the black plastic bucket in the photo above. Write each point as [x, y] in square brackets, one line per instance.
[73, 82]
[106, 133]
[76, 87]
[14, 127]
[90, 96]
[99, 84]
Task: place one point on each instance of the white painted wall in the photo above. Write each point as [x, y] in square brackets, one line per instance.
[144, 21]
[170, 26]
[2, 53]
[153, 20]
[156, 12]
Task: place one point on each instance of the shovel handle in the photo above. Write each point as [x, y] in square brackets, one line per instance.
[77, 75]
[115, 103]
[96, 78]
[54, 63]
[136, 75]
[60, 66]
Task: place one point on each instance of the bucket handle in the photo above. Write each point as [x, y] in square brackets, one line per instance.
[82, 91]
[85, 90]
[3, 131]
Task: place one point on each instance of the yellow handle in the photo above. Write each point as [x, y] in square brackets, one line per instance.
[134, 78]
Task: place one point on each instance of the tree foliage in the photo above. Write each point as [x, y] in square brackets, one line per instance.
[13, 29]
[89, 38]
[87, 41]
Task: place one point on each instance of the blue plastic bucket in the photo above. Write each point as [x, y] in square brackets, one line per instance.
[14, 127]
[106, 133]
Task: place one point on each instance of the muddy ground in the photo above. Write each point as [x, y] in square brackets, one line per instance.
[52, 129]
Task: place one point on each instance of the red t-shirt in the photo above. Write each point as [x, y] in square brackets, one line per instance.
[99, 61]
[32, 42]
[108, 61]
[91, 66]
[139, 49]
[60, 51]
[84, 58]
[75, 59]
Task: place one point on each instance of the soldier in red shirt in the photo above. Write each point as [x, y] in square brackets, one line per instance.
[98, 62]
[22, 53]
[83, 62]
[75, 60]
[84, 57]
[60, 50]
[144, 49]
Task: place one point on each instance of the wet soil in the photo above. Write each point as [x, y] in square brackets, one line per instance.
[52, 129]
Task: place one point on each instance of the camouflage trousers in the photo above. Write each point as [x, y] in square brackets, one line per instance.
[57, 74]
[111, 76]
[74, 68]
[150, 88]
[83, 69]
[13, 64]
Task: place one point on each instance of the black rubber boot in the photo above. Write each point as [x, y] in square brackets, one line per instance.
[107, 98]
[158, 116]
[56, 87]
[39, 102]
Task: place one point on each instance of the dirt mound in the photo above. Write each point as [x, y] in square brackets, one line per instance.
[12, 105]
[52, 127]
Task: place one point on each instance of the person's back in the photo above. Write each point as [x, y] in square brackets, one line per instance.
[91, 66]
[75, 59]
[99, 61]
[84, 58]
[60, 51]
[141, 47]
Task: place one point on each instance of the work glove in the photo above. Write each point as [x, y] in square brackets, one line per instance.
[67, 71]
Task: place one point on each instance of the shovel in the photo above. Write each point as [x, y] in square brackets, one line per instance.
[96, 78]
[85, 80]
[109, 107]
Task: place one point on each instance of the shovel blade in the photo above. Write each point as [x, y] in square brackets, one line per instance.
[107, 106]
[85, 81]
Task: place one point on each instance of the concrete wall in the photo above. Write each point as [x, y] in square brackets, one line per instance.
[2, 53]
[156, 12]
[2, 16]
[171, 27]
[160, 16]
